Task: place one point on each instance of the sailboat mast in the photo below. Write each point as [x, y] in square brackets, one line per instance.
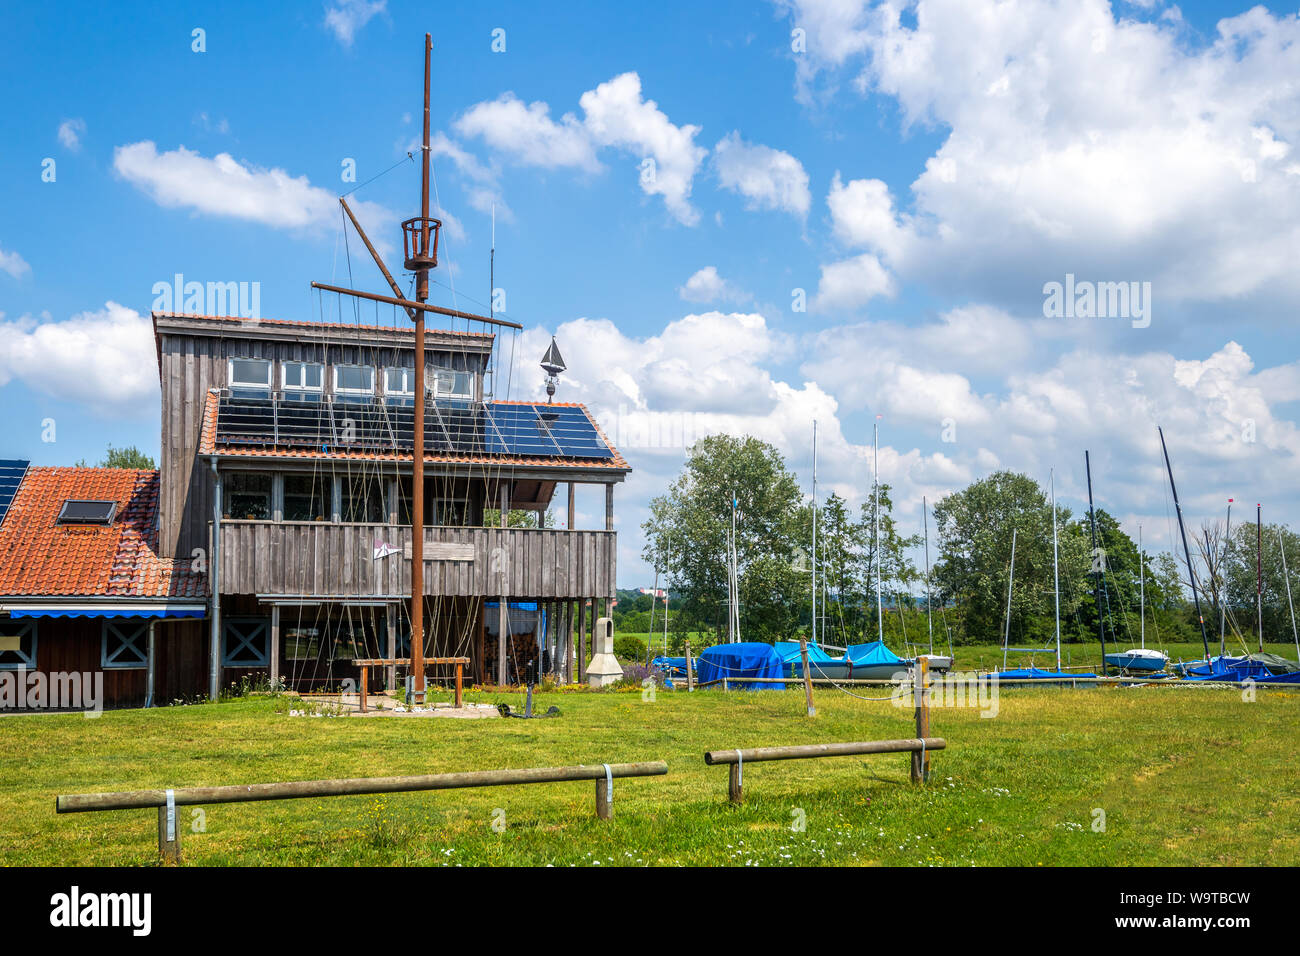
[1223, 606]
[929, 616]
[814, 535]
[1187, 554]
[1287, 578]
[1259, 575]
[1142, 591]
[875, 525]
[1011, 576]
[1096, 559]
[1056, 574]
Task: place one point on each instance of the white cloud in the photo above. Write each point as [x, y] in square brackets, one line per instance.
[104, 359]
[14, 264]
[615, 116]
[70, 133]
[528, 135]
[224, 186]
[346, 17]
[1077, 142]
[852, 283]
[481, 182]
[705, 285]
[768, 178]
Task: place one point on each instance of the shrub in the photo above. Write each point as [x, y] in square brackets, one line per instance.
[629, 647]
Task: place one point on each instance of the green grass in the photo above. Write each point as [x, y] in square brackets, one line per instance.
[1184, 775]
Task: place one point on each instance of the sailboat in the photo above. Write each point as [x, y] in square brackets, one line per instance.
[940, 663]
[1140, 658]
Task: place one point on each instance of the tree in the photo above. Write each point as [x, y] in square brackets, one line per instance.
[974, 528]
[687, 532]
[130, 457]
[897, 572]
[1241, 578]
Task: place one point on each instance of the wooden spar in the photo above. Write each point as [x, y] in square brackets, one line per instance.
[417, 306]
[804, 751]
[195, 796]
[392, 283]
[1187, 553]
[417, 463]
[1097, 581]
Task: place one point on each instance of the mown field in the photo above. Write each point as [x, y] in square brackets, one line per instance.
[1183, 776]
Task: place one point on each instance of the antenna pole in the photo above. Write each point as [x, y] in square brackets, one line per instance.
[1056, 574]
[875, 524]
[1286, 577]
[814, 535]
[417, 462]
[1100, 564]
[1187, 554]
[1259, 575]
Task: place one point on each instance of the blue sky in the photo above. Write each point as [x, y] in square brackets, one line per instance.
[919, 173]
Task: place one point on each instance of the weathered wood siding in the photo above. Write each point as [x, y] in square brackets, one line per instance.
[191, 364]
[263, 557]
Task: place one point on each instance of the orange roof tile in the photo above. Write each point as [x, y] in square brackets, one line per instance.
[299, 323]
[38, 556]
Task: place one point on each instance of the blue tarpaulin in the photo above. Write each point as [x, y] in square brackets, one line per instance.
[789, 653]
[671, 666]
[874, 652]
[736, 662]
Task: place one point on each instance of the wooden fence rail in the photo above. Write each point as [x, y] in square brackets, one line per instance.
[169, 834]
[738, 758]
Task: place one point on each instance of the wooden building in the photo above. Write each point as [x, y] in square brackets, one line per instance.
[283, 500]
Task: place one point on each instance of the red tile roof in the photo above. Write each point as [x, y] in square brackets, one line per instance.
[208, 446]
[38, 556]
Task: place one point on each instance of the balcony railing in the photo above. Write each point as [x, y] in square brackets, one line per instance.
[374, 560]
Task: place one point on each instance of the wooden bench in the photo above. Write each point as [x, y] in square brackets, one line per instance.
[366, 663]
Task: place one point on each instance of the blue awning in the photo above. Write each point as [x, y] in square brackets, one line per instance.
[155, 612]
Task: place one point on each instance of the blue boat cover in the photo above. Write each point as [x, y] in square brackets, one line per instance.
[789, 653]
[735, 662]
[671, 666]
[1036, 673]
[874, 652]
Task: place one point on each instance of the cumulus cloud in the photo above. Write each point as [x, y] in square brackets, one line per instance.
[345, 17]
[70, 133]
[852, 283]
[705, 286]
[104, 359]
[768, 178]
[615, 115]
[14, 264]
[1077, 140]
[481, 182]
[224, 186]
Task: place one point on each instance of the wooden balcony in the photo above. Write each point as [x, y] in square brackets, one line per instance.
[339, 560]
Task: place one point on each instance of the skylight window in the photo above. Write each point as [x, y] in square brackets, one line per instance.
[82, 511]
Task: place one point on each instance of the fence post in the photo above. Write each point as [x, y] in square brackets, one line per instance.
[807, 674]
[735, 794]
[690, 671]
[460, 685]
[169, 836]
[605, 797]
[921, 695]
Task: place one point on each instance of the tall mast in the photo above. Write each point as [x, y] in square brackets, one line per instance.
[1259, 575]
[1286, 577]
[417, 457]
[1056, 575]
[1187, 554]
[1223, 607]
[1096, 582]
[1006, 640]
[1142, 592]
[814, 536]
[929, 617]
[875, 524]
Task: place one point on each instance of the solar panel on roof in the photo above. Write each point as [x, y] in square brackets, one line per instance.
[11, 476]
[450, 427]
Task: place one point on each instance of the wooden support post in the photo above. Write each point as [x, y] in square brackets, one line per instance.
[365, 686]
[572, 510]
[690, 669]
[390, 624]
[735, 793]
[169, 850]
[582, 644]
[503, 611]
[921, 694]
[151, 677]
[275, 645]
[460, 699]
[807, 676]
[609, 506]
[604, 799]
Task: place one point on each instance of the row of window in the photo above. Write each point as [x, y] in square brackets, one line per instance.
[124, 645]
[251, 496]
[305, 382]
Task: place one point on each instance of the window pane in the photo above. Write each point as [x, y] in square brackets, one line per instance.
[363, 500]
[397, 380]
[357, 378]
[302, 375]
[451, 384]
[250, 372]
[24, 636]
[306, 498]
[125, 645]
[245, 643]
[247, 497]
[301, 643]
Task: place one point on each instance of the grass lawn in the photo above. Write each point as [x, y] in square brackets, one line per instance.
[1184, 776]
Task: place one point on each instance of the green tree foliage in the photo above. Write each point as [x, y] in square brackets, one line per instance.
[686, 537]
[130, 457]
[1241, 577]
